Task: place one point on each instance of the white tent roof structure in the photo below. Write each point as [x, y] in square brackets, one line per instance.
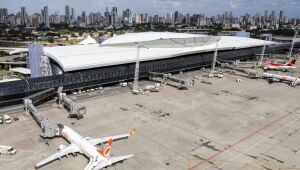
[21, 70]
[148, 36]
[88, 40]
[157, 45]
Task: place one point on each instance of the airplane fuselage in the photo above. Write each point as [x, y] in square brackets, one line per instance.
[271, 67]
[268, 65]
[84, 146]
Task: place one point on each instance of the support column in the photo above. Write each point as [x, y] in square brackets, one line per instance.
[137, 70]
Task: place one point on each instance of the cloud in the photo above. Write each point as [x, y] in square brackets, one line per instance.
[167, 4]
[289, 2]
[244, 3]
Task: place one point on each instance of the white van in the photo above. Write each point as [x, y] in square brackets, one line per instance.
[7, 119]
[7, 150]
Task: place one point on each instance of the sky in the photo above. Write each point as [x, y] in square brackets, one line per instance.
[160, 7]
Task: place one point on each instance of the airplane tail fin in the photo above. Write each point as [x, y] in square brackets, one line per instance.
[132, 132]
[105, 152]
[292, 63]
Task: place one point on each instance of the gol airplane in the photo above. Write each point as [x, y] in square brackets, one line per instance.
[99, 158]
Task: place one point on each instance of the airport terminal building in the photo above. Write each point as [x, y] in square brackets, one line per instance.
[79, 66]
[121, 50]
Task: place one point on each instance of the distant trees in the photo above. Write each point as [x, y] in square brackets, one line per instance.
[3, 53]
[50, 39]
[14, 32]
[51, 34]
[2, 31]
[101, 34]
[281, 32]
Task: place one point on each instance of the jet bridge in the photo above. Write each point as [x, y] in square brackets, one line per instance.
[75, 110]
[49, 130]
[293, 81]
[170, 80]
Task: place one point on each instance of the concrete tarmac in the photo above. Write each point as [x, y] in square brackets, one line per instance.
[231, 125]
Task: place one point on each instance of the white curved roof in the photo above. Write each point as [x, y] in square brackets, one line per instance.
[77, 57]
[147, 36]
[87, 41]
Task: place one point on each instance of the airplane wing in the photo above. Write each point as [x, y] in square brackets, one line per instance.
[58, 154]
[119, 158]
[112, 160]
[97, 141]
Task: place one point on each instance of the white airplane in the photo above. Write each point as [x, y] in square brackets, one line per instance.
[269, 65]
[99, 158]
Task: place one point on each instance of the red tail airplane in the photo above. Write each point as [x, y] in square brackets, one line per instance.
[269, 65]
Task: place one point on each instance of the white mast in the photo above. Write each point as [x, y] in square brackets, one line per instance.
[213, 66]
[293, 43]
[137, 69]
[135, 87]
[262, 53]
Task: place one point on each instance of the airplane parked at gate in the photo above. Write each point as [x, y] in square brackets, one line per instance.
[99, 158]
[269, 65]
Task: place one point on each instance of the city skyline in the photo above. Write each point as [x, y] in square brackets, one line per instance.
[160, 7]
[45, 18]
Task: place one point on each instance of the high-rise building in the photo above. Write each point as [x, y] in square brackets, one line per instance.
[3, 15]
[267, 19]
[176, 16]
[281, 17]
[67, 14]
[11, 19]
[146, 18]
[107, 17]
[162, 20]
[45, 14]
[72, 14]
[168, 18]
[98, 17]
[126, 14]
[180, 18]
[285, 19]
[114, 16]
[24, 16]
[227, 17]
[126, 17]
[35, 20]
[156, 19]
[90, 19]
[266, 16]
[138, 18]
[129, 15]
[187, 19]
[54, 18]
[83, 17]
[273, 18]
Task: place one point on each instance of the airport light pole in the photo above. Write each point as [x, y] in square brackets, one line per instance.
[137, 69]
[262, 53]
[135, 87]
[213, 65]
[293, 43]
